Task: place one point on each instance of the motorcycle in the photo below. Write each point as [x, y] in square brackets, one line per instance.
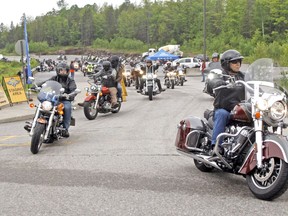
[253, 143]
[170, 79]
[127, 77]
[213, 74]
[180, 78]
[47, 124]
[98, 99]
[150, 86]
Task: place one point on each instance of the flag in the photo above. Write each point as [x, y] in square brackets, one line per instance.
[28, 67]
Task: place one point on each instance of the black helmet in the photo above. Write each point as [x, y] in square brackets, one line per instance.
[61, 66]
[228, 56]
[114, 61]
[106, 65]
[215, 55]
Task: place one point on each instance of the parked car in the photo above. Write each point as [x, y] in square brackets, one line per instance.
[189, 62]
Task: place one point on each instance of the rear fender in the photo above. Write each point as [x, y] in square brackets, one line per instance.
[185, 126]
[275, 146]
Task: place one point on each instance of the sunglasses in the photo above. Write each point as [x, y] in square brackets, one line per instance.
[236, 61]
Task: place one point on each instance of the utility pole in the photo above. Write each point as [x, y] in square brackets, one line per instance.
[204, 31]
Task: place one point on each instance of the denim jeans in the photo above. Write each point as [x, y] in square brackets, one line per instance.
[221, 119]
[67, 114]
[119, 90]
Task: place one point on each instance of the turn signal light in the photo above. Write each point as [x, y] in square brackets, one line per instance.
[31, 105]
[257, 115]
[60, 108]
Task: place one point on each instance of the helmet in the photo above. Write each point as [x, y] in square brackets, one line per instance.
[106, 65]
[177, 63]
[228, 56]
[61, 66]
[215, 55]
[168, 63]
[114, 61]
[148, 61]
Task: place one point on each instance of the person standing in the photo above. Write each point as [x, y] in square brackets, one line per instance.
[202, 69]
[72, 69]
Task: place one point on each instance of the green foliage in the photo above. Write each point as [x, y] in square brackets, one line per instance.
[38, 47]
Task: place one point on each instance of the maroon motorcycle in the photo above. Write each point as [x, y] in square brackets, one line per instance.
[254, 144]
[98, 99]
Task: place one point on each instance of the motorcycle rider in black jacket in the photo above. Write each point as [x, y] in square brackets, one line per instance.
[227, 98]
[108, 75]
[69, 84]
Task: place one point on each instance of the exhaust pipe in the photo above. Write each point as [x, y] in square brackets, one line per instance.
[202, 158]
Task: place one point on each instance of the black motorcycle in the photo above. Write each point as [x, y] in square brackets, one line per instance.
[47, 124]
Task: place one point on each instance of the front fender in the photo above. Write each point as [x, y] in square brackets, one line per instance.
[275, 146]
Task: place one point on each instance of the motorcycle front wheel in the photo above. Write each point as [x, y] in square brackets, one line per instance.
[89, 112]
[172, 84]
[37, 138]
[150, 92]
[269, 182]
[182, 81]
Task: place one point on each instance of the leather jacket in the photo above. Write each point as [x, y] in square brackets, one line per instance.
[227, 98]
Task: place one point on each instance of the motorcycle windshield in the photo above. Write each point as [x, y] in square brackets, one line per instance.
[49, 90]
[261, 73]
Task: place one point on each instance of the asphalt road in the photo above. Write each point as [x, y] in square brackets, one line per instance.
[122, 164]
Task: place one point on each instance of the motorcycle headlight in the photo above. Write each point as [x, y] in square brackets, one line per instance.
[141, 72]
[93, 88]
[180, 72]
[210, 76]
[128, 74]
[154, 76]
[278, 111]
[47, 105]
[144, 76]
[149, 76]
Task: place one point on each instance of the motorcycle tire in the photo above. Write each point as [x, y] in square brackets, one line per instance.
[150, 92]
[89, 112]
[270, 183]
[182, 82]
[202, 166]
[37, 138]
[172, 84]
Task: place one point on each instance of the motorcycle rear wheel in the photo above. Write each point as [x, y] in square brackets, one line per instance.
[37, 138]
[269, 182]
[89, 112]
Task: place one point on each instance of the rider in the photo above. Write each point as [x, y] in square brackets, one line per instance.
[227, 98]
[109, 75]
[214, 64]
[120, 68]
[150, 68]
[69, 84]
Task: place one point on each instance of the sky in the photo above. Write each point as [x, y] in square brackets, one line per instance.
[12, 10]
